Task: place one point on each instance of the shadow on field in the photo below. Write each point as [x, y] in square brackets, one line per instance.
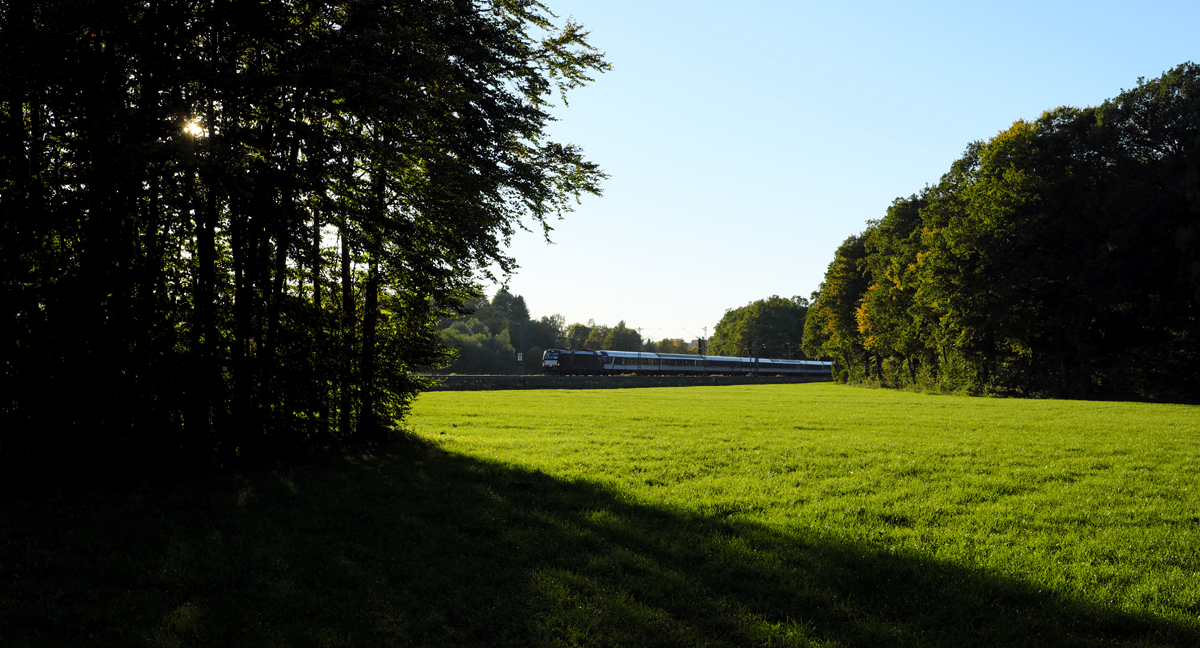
[428, 548]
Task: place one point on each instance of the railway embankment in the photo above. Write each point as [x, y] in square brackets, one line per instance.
[479, 383]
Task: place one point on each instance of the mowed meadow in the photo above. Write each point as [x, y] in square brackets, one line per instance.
[771, 515]
[891, 513]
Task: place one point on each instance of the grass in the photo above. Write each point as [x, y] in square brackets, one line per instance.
[762, 515]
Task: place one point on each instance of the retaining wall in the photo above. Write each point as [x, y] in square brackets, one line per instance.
[475, 383]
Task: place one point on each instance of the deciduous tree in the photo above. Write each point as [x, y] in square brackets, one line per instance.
[773, 326]
[225, 223]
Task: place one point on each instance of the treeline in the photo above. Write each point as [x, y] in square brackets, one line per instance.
[224, 224]
[491, 333]
[619, 338]
[771, 327]
[489, 338]
[1061, 257]
[767, 328]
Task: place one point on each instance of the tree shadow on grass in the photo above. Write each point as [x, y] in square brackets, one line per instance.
[427, 548]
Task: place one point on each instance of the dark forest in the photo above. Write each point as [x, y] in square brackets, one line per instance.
[229, 228]
[1059, 258]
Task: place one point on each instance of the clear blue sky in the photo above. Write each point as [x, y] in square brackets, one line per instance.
[746, 141]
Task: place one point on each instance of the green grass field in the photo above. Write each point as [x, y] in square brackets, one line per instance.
[747, 516]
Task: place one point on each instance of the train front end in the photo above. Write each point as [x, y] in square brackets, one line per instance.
[552, 362]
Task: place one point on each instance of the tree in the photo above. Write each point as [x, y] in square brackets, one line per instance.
[667, 345]
[622, 338]
[888, 319]
[597, 337]
[773, 327]
[511, 305]
[1056, 258]
[505, 312]
[479, 352]
[1144, 270]
[546, 333]
[498, 317]
[831, 328]
[578, 335]
[226, 224]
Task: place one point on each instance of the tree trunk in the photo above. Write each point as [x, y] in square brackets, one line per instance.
[202, 388]
[272, 396]
[347, 354]
[367, 425]
[319, 354]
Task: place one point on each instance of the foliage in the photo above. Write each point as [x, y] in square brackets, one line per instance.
[505, 304]
[1057, 258]
[597, 337]
[224, 223]
[622, 338]
[478, 350]
[771, 327]
[577, 335]
[487, 340]
[667, 345]
[831, 328]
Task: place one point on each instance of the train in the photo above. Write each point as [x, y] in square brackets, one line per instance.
[565, 362]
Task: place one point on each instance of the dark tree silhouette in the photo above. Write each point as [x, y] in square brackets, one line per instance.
[226, 223]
